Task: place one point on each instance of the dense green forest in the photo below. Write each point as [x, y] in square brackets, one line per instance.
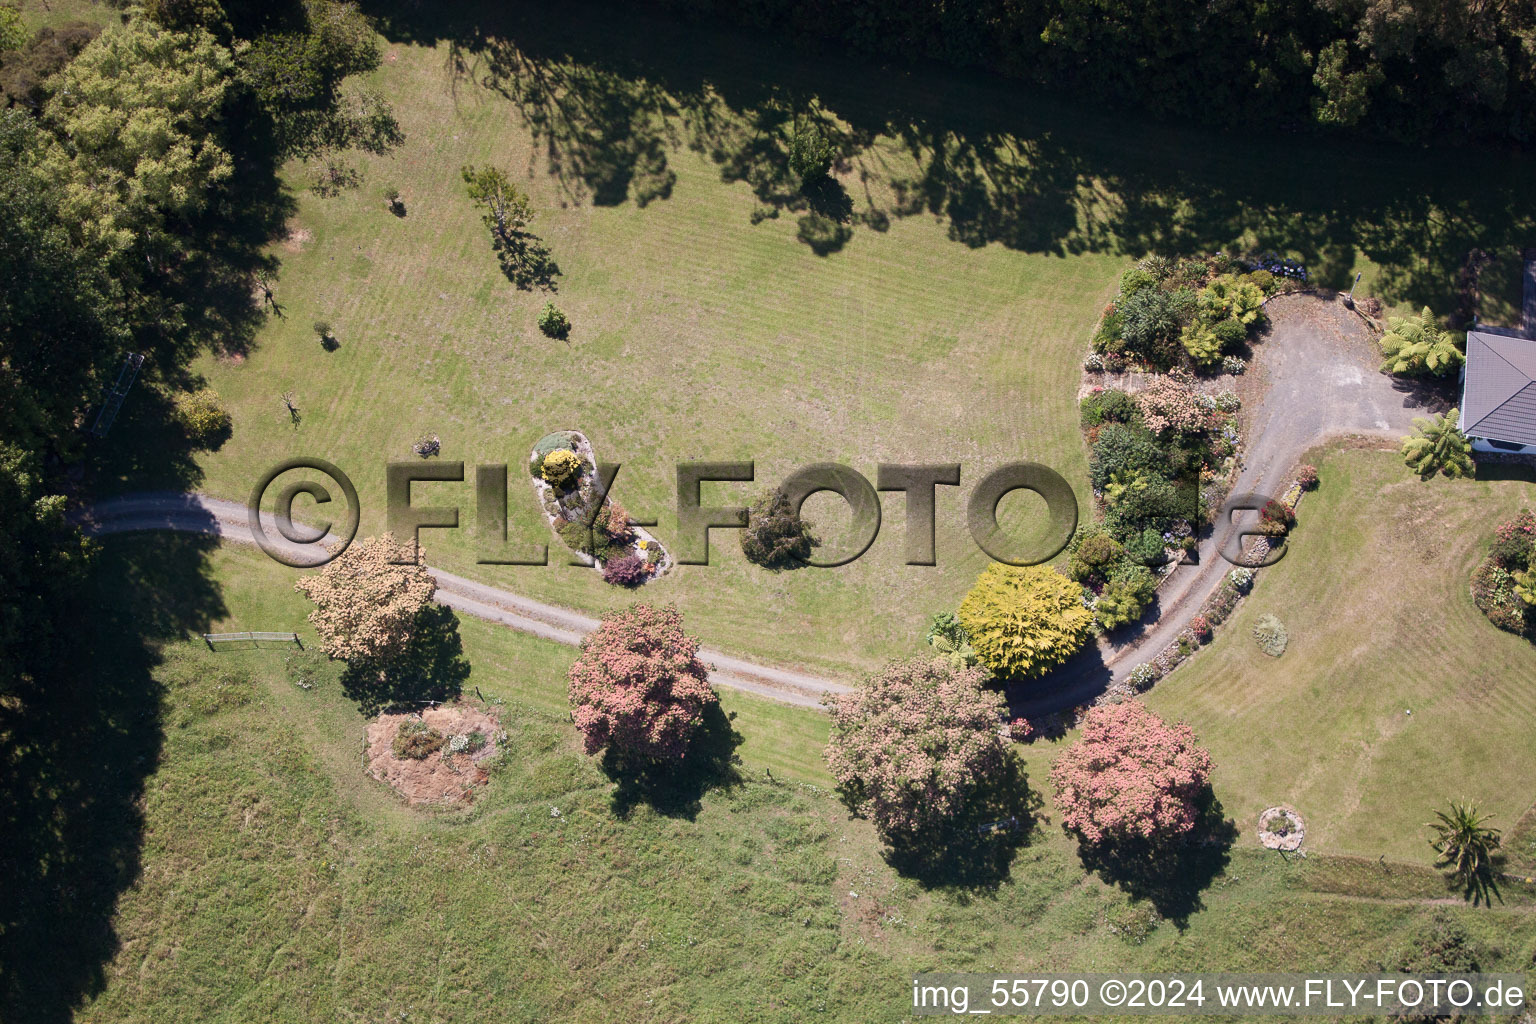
[138, 189]
[1420, 70]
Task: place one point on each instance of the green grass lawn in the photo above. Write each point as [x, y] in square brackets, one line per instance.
[778, 738]
[1374, 595]
[697, 337]
[279, 883]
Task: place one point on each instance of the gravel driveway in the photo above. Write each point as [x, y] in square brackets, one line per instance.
[1319, 377]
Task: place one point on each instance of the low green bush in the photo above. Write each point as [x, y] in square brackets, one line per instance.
[1109, 338]
[560, 467]
[1146, 546]
[203, 418]
[1136, 279]
[1271, 636]
[554, 323]
[416, 740]
[595, 540]
[1109, 406]
[1278, 823]
[1126, 596]
[1123, 447]
[1099, 550]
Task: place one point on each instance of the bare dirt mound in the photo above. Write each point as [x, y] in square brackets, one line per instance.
[462, 739]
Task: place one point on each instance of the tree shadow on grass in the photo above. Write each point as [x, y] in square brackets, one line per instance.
[677, 790]
[609, 92]
[974, 853]
[432, 669]
[527, 262]
[827, 197]
[1171, 876]
[77, 743]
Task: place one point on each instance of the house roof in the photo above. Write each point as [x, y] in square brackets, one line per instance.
[1499, 394]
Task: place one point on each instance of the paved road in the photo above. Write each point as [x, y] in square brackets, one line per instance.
[228, 520]
[1320, 370]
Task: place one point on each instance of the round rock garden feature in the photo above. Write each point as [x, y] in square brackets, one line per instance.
[1281, 828]
[563, 467]
[436, 757]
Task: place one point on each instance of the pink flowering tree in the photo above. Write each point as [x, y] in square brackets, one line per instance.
[1130, 776]
[916, 744]
[1169, 404]
[638, 688]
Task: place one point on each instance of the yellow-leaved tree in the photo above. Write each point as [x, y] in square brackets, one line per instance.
[1025, 620]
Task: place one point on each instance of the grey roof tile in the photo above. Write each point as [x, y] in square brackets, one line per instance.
[1499, 393]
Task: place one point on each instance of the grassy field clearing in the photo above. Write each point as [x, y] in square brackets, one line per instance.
[279, 883]
[1374, 594]
[952, 334]
[697, 336]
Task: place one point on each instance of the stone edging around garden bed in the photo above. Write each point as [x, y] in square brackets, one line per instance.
[544, 493]
[1292, 839]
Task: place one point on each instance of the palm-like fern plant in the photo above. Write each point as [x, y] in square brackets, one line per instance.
[1438, 447]
[947, 637]
[1466, 845]
[1416, 345]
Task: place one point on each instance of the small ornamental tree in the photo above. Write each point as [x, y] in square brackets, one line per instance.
[638, 688]
[554, 323]
[1276, 518]
[1131, 776]
[914, 744]
[1024, 620]
[203, 418]
[1467, 846]
[776, 537]
[1168, 404]
[559, 467]
[624, 571]
[503, 206]
[366, 607]
[1230, 297]
[810, 152]
[1126, 596]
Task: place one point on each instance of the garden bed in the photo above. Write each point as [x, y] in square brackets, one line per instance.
[1281, 828]
[437, 757]
[596, 528]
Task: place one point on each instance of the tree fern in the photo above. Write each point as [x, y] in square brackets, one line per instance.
[1415, 345]
[1438, 447]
